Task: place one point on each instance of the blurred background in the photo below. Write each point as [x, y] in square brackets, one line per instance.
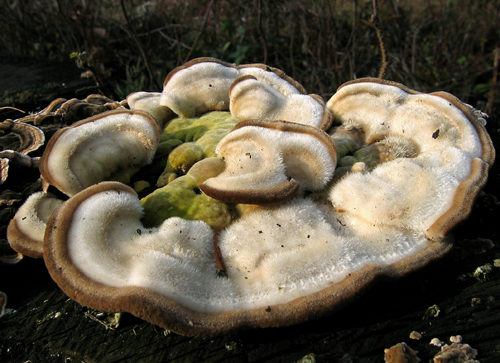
[129, 45]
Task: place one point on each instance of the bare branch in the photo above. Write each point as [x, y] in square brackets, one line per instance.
[376, 23]
[195, 44]
[261, 31]
[491, 101]
[138, 44]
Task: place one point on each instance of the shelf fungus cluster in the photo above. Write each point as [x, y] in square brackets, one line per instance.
[17, 140]
[274, 207]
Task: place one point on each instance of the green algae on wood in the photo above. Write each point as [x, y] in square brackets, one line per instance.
[189, 140]
[182, 198]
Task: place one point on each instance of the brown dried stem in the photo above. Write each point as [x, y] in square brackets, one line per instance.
[218, 256]
[353, 39]
[376, 23]
[261, 31]
[195, 43]
[138, 44]
[491, 100]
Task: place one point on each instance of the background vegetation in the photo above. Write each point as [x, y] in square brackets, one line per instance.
[131, 45]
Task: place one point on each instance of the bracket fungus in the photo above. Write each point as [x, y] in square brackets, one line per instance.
[268, 161]
[250, 91]
[27, 229]
[432, 142]
[251, 99]
[17, 140]
[302, 217]
[110, 146]
[20, 137]
[203, 85]
[65, 112]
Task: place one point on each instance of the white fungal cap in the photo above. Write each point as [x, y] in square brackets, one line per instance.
[198, 87]
[150, 102]
[110, 146]
[267, 162]
[251, 99]
[297, 264]
[425, 185]
[203, 85]
[272, 77]
[26, 230]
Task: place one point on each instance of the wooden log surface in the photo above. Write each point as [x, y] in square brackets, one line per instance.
[446, 298]
[36, 82]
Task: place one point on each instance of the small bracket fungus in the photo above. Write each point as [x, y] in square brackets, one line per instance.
[110, 146]
[150, 103]
[204, 84]
[20, 137]
[414, 176]
[27, 229]
[401, 353]
[65, 112]
[456, 353]
[251, 99]
[267, 162]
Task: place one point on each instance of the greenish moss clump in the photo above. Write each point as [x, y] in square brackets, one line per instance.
[182, 198]
[189, 140]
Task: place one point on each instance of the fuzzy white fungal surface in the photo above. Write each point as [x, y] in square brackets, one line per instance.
[112, 147]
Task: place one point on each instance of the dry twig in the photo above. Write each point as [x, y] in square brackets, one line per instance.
[261, 32]
[376, 23]
[494, 83]
[218, 256]
[138, 44]
[195, 43]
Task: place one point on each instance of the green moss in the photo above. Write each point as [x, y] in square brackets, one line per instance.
[182, 198]
[191, 139]
[167, 146]
[187, 141]
[183, 157]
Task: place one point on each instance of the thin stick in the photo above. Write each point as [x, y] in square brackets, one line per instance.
[66, 21]
[138, 44]
[11, 108]
[353, 37]
[259, 26]
[195, 44]
[376, 22]
[218, 256]
[82, 62]
[491, 101]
